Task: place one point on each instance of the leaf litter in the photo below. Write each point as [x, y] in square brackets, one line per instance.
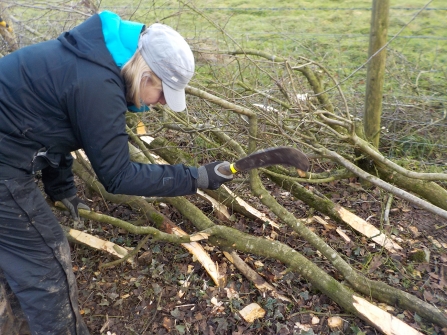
[168, 292]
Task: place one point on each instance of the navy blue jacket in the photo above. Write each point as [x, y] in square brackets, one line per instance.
[66, 94]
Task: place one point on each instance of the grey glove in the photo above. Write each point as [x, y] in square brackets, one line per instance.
[73, 204]
[210, 177]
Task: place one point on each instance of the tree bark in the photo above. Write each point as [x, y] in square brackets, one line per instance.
[376, 70]
[377, 290]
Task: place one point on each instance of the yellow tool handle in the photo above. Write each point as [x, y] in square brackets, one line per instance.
[4, 24]
[233, 168]
[228, 170]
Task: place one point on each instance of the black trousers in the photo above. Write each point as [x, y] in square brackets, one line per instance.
[35, 258]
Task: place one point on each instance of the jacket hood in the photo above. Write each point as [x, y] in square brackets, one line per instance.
[121, 36]
[87, 41]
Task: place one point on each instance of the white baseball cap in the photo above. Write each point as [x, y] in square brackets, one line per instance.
[168, 54]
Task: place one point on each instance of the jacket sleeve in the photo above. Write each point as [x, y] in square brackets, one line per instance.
[59, 182]
[97, 111]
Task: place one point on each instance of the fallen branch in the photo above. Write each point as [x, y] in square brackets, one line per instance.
[385, 322]
[220, 208]
[377, 290]
[223, 195]
[252, 275]
[171, 232]
[94, 242]
[386, 186]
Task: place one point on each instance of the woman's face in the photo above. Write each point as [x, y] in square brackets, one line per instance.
[151, 94]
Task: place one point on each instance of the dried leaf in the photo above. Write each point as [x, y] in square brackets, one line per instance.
[259, 264]
[435, 242]
[168, 323]
[302, 327]
[375, 263]
[215, 302]
[414, 231]
[428, 296]
[385, 307]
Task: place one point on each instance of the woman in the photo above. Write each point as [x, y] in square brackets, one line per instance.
[72, 93]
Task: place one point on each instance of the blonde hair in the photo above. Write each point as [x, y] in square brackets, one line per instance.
[137, 74]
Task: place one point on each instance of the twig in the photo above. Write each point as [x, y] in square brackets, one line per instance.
[386, 186]
[129, 255]
[146, 326]
[378, 157]
[140, 144]
[386, 214]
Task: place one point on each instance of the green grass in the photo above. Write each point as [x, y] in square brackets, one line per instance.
[333, 33]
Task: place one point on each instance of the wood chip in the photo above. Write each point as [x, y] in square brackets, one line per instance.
[335, 323]
[199, 237]
[252, 312]
[315, 320]
[343, 235]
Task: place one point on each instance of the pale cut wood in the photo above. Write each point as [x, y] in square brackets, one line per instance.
[335, 323]
[252, 312]
[367, 229]
[251, 209]
[141, 130]
[384, 321]
[97, 243]
[202, 256]
[221, 209]
[343, 235]
[253, 276]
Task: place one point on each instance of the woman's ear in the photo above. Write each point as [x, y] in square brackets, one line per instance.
[146, 80]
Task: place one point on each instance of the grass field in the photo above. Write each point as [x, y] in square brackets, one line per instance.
[283, 26]
[336, 34]
[333, 33]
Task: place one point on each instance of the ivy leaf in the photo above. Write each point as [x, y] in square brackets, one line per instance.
[222, 324]
[417, 318]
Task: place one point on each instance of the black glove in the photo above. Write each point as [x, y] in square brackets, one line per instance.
[73, 204]
[210, 178]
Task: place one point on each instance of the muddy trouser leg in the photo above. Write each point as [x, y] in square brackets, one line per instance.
[35, 259]
[12, 319]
